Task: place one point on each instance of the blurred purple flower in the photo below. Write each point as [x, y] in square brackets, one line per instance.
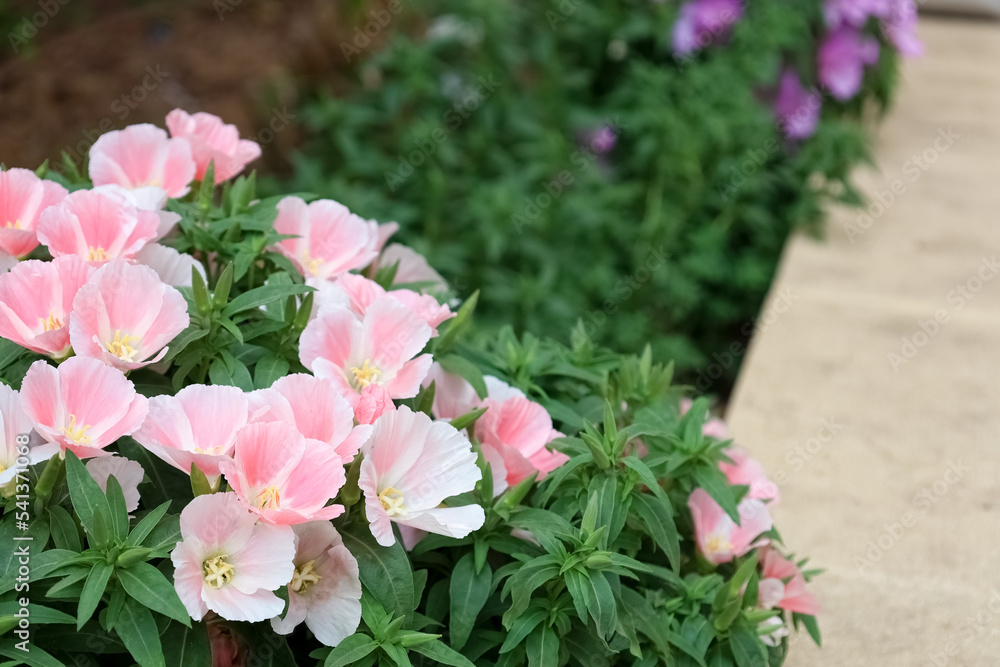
[797, 108]
[842, 59]
[599, 140]
[901, 27]
[854, 12]
[701, 22]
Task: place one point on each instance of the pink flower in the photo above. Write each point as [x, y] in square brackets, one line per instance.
[373, 402]
[411, 465]
[453, 395]
[901, 27]
[282, 476]
[703, 22]
[83, 405]
[196, 426]
[719, 538]
[325, 590]
[142, 156]
[36, 300]
[745, 471]
[145, 199]
[412, 268]
[842, 57]
[385, 232]
[173, 267]
[378, 349]
[123, 315]
[228, 563]
[357, 293]
[23, 197]
[315, 408]
[514, 434]
[20, 442]
[213, 141]
[330, 239]
[853, 12]
[797, 108]
[128, 473]
[96, 226]
[782, 585]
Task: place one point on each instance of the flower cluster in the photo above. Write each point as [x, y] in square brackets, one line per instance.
[361, 442]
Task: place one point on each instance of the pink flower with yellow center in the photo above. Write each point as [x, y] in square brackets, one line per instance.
[142, 156]
[719, 538]
[329, 239]
[411, 465]
[358, 293]
[123, 315]
[315, 408]
[380, 349]
[84, 405]
[213, 141]
[23, 197]
[283, 477]
[325, 591]
[36, 301]
[197, 425]
[97, 227]
[228, 563]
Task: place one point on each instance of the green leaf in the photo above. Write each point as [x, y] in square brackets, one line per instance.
[93, 589]
[183, 645]
[36, 657]
[543, 647]
[37, 613]
[146, 525]
[710, 478]
[116, 505]
[65, 534]
[263, 295]
[468, 419]
[453, 329]
[139, 633]
[147, 585]
[385, 571]
[166, 534]
[350, 650]
[521, 628]
[747, 648]
[270, 368]
[812, 627]
[469, 593]
[227, 370]
[657, 514]
[89, 501]
[442, 654]
[456, 365]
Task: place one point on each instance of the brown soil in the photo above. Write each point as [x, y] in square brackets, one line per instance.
[240, 59]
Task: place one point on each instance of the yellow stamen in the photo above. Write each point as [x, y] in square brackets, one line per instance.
[311, 265]
[14, 225]
[304, 578]
[52, 323]
[366, 375]
[121, 346]
[97, 254]
[717, 544]
[78, 436]
[269, 498]
[217, 571]
[392, 502]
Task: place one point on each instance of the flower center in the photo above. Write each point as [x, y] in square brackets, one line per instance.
[392, 502]
[269, 498]
[14, 225]
[97, 254]
[51, 323]
[311, 265]
[717, 544]
[78, 436]
[217, 571]
[305, 577]
[366, 375]
[121, 346]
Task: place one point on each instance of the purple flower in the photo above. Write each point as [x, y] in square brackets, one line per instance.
[842, 59]
[797, 108]
[854, 12]
[901, 27]
[702, 22]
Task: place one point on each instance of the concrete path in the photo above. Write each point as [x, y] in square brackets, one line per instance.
[872, 394]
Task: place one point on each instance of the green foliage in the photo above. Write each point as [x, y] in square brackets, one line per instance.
[471, 127]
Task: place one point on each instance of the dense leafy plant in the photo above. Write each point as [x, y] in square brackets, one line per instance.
[173, 506]
[579, 162]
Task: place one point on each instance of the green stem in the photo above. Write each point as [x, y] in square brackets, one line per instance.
[50, 475]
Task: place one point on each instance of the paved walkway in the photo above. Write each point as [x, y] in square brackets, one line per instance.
[874, 398]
